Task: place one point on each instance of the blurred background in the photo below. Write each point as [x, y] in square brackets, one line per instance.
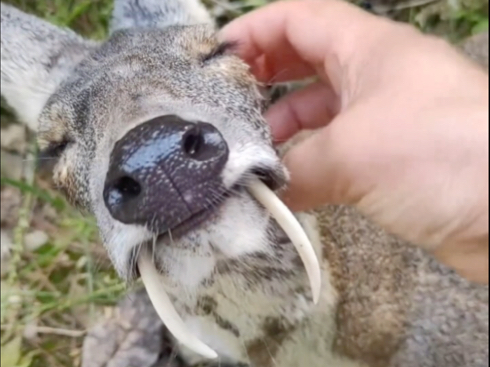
[56, 281]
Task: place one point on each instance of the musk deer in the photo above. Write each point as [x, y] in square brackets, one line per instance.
[158, 132]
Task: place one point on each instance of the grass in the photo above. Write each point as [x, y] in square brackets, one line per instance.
[51, 294]
[55, 290]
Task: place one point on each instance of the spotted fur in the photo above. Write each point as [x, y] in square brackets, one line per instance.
[236, 280]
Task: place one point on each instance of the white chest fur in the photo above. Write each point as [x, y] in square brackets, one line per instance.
[244, 310]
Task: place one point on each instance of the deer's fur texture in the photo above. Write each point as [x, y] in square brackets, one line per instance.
[236, 280]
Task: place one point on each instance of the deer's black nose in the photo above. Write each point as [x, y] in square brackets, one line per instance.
[165, 171]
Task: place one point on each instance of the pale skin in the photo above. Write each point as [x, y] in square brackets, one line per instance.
[401, 123]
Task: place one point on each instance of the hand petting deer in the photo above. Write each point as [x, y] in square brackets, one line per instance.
[158, 132]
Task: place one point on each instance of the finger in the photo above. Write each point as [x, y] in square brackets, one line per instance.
[291, 68]
[290, 39]
[308, 108]
[318, 169]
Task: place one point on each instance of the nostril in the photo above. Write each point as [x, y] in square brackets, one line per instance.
[127, 187]
[202, 142]
[193, 142]
[122, 190]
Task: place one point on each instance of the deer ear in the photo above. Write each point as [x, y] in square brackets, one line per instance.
[36, 57]
[158, 13]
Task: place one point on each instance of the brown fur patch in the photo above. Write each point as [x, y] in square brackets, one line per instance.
[65, 182]
[369, 271]
[262, 351]
[55, 130]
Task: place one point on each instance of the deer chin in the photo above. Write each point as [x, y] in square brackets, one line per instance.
[152, 280]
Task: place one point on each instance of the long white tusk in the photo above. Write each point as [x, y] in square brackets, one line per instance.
[293, 229]
[165, 309]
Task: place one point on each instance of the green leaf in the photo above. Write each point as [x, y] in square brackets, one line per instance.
[480, 27]
[26, 359]
[11, 352]
[56, 202]
[79, 10]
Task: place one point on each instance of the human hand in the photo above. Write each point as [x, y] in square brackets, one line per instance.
[401, 119]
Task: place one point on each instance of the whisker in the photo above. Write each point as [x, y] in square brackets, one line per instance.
[264, 340]
[153, 245]
[37, 159]
[170, 237]
[275, 76]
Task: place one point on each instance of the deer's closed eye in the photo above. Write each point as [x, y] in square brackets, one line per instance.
[219, 50]
[54, 150]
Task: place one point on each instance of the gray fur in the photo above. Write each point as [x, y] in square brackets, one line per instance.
[157, 14]
[36, 58]
[237, 280]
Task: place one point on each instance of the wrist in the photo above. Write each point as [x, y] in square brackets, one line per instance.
[468, 259]
[466, 249]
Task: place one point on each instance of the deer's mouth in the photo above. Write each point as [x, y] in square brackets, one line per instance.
[212, 210]
[195, 221]
[152, 277]
[211, 213]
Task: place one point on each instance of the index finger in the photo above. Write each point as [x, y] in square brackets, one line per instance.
[289, 40]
